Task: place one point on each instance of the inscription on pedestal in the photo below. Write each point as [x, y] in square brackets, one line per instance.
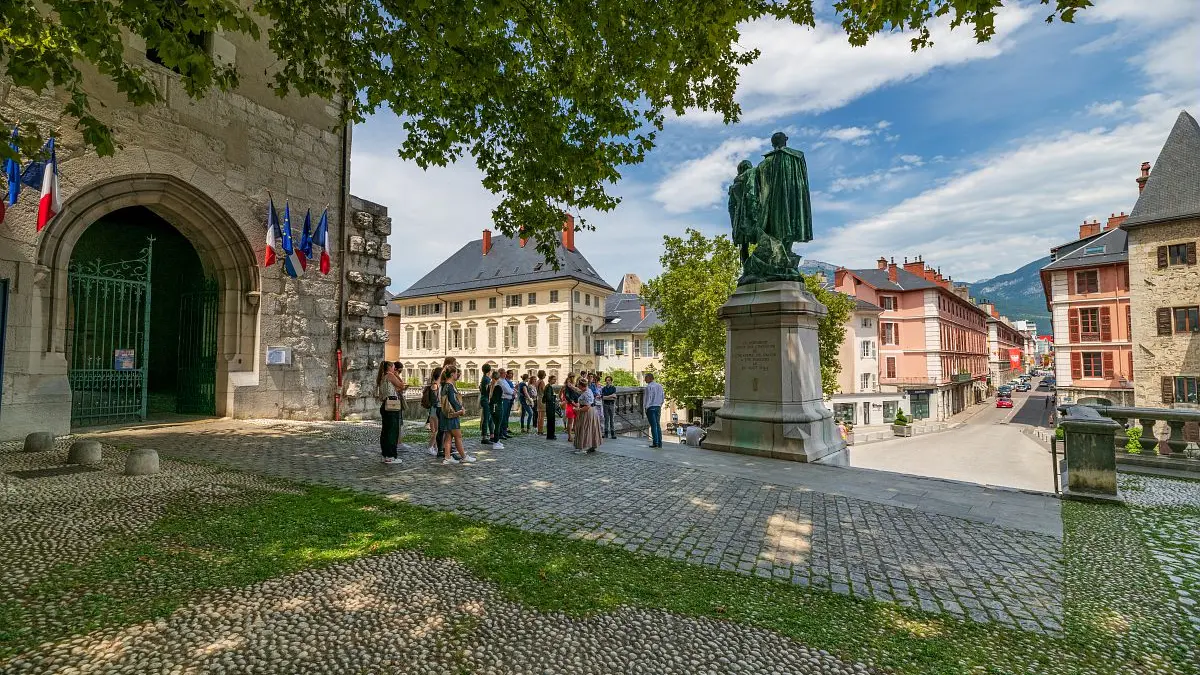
[753, 363]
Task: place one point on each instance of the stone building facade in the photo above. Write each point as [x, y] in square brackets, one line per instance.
[497, 301]
[623, 341]
[861, 399]
[1164, 232]
[195, 175]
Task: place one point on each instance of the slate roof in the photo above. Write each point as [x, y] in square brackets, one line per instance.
[623, 314]
[1075, 254]
[861, 305]
[392, 308]
[507, 264]
[1173, 191]
[905, 280]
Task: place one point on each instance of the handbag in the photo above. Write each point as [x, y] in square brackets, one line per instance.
[448, 410]
[393, 404]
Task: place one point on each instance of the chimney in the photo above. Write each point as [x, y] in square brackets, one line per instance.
[1114, 221]
[1141, 181]
[523, 238]
[916, 267]
[643, 312]
[1088, 229]
[881, 263]
[893, 271]
[487, 241]
[568, 234]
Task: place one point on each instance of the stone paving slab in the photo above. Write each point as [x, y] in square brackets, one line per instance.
[796, 534]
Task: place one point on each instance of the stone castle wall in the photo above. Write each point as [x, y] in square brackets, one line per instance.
[207, 167]
[1156, 356]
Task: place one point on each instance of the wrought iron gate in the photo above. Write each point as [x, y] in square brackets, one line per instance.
[109, 338]
[196, 382]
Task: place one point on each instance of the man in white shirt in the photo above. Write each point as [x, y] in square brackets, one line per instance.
[652, 401]
[507, 397]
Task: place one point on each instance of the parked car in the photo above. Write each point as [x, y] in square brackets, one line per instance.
[1003, 390]
[1024, 386]
[1004, 403]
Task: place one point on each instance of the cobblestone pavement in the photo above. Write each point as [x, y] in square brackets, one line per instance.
[935, 562]
[401, 612]
[1173, 534]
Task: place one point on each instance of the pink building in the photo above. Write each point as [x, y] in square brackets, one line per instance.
[933, 341]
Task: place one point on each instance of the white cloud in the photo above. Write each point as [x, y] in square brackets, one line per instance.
[853, 135]
[805, 69]
[698, 183]
[915, 160]
[1109, 109]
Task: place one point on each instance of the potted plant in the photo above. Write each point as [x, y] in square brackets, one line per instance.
[901, 426]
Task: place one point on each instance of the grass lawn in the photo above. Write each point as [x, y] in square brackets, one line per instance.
[1119, 618]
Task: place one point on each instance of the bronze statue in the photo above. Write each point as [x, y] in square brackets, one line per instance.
[770, 208]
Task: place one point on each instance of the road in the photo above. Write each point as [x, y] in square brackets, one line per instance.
[990, 447]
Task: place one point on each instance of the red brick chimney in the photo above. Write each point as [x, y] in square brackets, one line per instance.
[881, 263]
[1088, 229]
[893, 271]
[916, 267]
[1141, 181]
[643, 312]
[1114, 221]
[568, 234]
[487, 241]
[523, 238]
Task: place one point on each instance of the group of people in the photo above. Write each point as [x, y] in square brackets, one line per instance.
[587, 407]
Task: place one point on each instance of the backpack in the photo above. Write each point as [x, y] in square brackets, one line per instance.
[428, 397]
[448, 409]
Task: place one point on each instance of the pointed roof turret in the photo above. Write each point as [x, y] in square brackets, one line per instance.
[1173, 190]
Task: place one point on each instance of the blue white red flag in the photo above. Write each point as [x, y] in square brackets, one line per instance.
[272, 233]
[321, 238]
[49, 205]
[293, 261]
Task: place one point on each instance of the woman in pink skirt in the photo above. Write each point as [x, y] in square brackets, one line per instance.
[587, 424]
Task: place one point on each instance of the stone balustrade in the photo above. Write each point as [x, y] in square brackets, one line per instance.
[1147, 418]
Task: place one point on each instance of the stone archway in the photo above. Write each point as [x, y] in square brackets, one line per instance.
[224, 252]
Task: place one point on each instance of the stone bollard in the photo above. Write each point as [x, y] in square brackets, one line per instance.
[39, 441]
[141, 462]
[1090, 455]
[85, 453]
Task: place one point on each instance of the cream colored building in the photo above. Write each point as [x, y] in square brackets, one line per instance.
[623, 343]
[497, 301]
[1164, 229]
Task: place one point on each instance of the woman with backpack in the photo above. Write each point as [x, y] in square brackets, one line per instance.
[429, 400]
[450, 409]
[389, 391]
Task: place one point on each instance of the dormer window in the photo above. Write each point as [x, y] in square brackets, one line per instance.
[1093, 250]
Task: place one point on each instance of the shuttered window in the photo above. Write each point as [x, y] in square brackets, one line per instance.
[1187, 319]
[1108, 366]
[890, 367]
[1168, 389]
[1073, 325]
[1177, 254]
[1162, 319]
[1105, 324]
[1087, 281]
[1076, 365]
[1093, 364]
[1187, 389]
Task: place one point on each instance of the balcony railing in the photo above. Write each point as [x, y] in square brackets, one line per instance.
[910, 380]
[1174, 445]
[961, 377]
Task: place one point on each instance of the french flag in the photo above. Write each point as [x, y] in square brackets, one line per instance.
[321, 238]
[293, 260]
[49, 206]
[272, 232]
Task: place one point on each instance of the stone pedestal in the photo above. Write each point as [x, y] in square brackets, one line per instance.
[773, 405]
[141, 462]
[85, 453]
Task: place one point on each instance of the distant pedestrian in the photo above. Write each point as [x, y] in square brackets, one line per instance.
[429, 400]
[389, 390]
[587, 423]
[549, 407]
[485, 406]
[526, 399]
[496, 402]
[652, 401]
[451, 408]
[508, 397]
[570, 396]
[609, 396]
[539, 411]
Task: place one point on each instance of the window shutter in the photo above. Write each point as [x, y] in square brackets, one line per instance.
[1168, 389]
[1162, 257]
[1076, 365]
[1105, 325]
[1073, 326]
[1130, 364]
[1106, 362]
[1070, 283]
[882, 340]
[1163, 319]
[1191, 253]
[896, 333]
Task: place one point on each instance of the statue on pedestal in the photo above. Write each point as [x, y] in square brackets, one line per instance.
[770, 209]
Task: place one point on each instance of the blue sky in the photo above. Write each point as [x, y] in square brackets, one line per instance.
[978, 157]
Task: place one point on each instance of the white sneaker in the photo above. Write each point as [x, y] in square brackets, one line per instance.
[449, 461]
[497, 446]
[390, 460]
[469, 459]
[432, 451]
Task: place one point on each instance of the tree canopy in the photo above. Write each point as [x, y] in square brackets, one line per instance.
[699, 274]
[549, 98]
[622, 378]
